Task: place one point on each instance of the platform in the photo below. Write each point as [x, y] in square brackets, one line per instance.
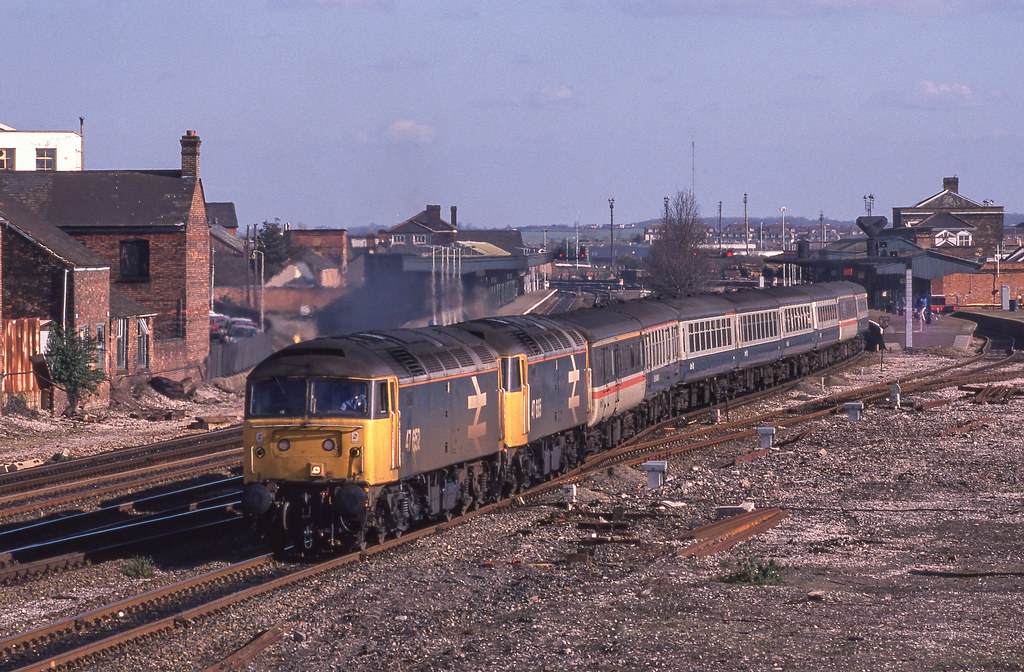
[945, 331]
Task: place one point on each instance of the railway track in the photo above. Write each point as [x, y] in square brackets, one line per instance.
[642, 447]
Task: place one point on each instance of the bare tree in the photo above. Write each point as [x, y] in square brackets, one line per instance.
[679, 263]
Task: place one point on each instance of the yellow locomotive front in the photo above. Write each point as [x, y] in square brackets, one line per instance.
[316, 448]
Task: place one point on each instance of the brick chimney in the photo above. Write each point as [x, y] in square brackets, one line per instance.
[190, 154]
[433, 214]
[454, 225]
[951, 184]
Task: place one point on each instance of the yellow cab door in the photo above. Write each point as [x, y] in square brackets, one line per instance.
[515, 401]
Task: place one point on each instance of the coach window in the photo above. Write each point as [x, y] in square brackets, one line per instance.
[511, 375]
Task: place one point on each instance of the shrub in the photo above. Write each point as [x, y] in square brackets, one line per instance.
[71, 358]
[756, 573]
[138, 567]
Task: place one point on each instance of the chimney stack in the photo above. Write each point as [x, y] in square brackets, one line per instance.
[951, 184]
[190, 154]
[454, 225]
[434, 214]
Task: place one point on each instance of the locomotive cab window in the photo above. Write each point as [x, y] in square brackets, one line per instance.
[338, 396]
[276, 398]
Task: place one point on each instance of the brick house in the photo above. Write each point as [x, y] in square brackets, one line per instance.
[420, 232]
[960, 226]
[48, 276]
[152, 228]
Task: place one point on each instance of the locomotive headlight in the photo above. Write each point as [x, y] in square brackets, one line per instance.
[329, 445]
[283, 445]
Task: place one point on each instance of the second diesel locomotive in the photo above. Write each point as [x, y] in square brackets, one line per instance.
[353, 438]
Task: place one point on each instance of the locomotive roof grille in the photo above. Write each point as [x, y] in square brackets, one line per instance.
[528, 341]
[448, 359]
[464, 358]
[406, 359]
[485, 355]
[431, 362]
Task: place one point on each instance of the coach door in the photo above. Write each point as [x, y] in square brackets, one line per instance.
[515, 401]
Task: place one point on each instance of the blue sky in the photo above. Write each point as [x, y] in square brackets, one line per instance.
[346, 113]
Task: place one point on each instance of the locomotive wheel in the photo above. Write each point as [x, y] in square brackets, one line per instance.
[379, 528]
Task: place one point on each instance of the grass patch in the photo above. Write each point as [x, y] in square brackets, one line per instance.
[139, 567]
[755, 572]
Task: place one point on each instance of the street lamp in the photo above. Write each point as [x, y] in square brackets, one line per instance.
[746, 228]
[719, 228]
[783, 208]
[263, 260]
[611, 233]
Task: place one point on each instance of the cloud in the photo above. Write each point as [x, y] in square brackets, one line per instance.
[408, 132]
[398, 132]
[795, 8]
[555, 95]
[929, 95]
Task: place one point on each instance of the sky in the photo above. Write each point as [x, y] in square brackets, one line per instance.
[348, 113]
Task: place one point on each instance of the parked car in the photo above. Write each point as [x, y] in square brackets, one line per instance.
[218, 325]
[239, 329]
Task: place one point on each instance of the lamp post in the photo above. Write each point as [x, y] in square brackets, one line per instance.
[719, 228]
[746, 228]
[263, 260]
[611, 234]
[783, 208]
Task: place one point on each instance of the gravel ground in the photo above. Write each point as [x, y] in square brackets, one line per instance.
[902, 551]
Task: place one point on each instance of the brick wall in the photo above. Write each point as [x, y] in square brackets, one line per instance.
[33, 282]
[177, 290]
[981, 289]
[91, 304]
[329, 243]
[282, 299]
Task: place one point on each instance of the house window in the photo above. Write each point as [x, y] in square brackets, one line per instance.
[134, 257]
[963, 239]
[143, 343]
[101, 347]
[398, 239]
[6, 158]
[419, 239]
[46, 158]
[122, 342]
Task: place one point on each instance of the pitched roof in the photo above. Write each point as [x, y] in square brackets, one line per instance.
[222, 214]
[943, 221]
[428, 220]
[947, 198]
[122, 305]
[49, 237]
[106, 199]
[227, 238]
[509, 241]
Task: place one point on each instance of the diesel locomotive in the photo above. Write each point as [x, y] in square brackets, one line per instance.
[349, 439]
